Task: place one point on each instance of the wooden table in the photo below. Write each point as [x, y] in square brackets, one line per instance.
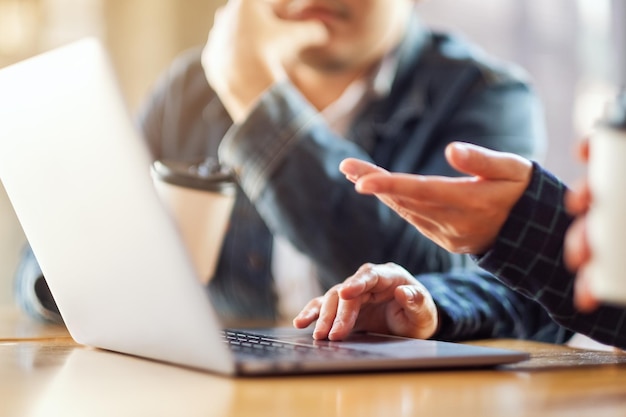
[44, 373]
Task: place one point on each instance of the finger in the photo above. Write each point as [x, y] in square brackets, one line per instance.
[576, 247]
[301, 28]
[358, 284]
[578, 199]
[306, 32]
[354, 168]
[424, 215]
[328, 311]
[345, 319]
[374, 283]
[309, 313]
[443, 190]
[275, 34]
[583, 297]
[419, 318]
[428, 208]
[485, 163]
[582, 149]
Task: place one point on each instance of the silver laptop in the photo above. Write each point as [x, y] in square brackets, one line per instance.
[77, 173]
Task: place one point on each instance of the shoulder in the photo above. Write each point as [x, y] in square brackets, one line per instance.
[453, 52]
[172, 112]
[186, 72]
[182, 89]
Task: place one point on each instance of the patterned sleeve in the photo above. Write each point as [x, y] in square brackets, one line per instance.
[473, 304]
[528, 257]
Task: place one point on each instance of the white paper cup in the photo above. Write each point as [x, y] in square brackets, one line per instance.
[607, 214]
[200, 196]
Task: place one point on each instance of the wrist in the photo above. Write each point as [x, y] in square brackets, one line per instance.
[239, 103]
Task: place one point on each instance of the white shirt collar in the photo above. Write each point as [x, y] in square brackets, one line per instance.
[377, 84]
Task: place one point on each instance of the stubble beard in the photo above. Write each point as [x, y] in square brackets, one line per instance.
[324, 62]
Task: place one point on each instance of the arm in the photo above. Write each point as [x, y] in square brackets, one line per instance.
[287, 157]
[474, 304]
[387, 299]
[528, 256]
[523, 248]
[471, 303]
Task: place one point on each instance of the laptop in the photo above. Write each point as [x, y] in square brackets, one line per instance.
[78, 176]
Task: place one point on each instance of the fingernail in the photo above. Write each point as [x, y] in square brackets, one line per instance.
[461, 149]
[347, 170]
[318, 334]
[332, 335]
[410, 294]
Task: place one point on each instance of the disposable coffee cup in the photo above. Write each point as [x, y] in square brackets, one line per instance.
[200, 196]
[607, 214]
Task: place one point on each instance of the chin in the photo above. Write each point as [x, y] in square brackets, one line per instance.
[323, 61]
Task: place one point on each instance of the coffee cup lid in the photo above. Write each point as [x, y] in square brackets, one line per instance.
[207, 174]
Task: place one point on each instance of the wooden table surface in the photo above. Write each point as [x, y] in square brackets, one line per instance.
[44, 373]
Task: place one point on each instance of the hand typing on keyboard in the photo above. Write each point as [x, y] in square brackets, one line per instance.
[246, 343]
[378, 298]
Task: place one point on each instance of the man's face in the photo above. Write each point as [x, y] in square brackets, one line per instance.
[360, 31]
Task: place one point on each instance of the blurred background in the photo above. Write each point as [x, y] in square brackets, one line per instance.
[568, 46]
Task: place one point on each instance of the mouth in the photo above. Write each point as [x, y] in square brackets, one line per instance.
[324, 12]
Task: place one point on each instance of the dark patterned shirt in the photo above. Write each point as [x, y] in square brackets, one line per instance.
[528, 257]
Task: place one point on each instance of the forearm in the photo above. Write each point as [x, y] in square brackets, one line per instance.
[528, 257]
[474, 305]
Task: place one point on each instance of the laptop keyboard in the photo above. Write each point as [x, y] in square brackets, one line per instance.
[260, 346]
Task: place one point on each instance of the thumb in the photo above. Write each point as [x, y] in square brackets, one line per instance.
[584, 299]
[481, 162]
[419, 311]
